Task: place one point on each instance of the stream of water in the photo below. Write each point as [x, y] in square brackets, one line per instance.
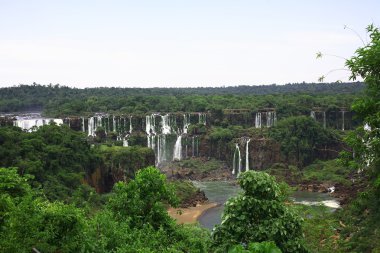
[220, 191]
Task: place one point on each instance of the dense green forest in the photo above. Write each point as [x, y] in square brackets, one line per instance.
[64, 101]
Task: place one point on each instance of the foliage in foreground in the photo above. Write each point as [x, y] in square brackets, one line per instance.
[258, 214]
[256, 247]
[134, 220]
[362, 217]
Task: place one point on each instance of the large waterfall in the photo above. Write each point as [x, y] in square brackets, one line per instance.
[161, 139]
[29, 123]
[236, 162]
[177, 154]
[247, 155]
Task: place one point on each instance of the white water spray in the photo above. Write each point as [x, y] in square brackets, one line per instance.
[236, 160]
[177, 155]
[247, 155]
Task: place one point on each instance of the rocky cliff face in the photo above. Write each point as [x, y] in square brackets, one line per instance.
[262, 152]
[118, 164]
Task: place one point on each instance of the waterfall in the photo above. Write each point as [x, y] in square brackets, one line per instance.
[91, 126]
[324, 119]
[83, 126]
[312, 115]
[236, 160]
[125, 141]
[343, 120]
[258, 120]
[269, 118]
[202, 118]
[186, 122]
[149, 129]
[247, 155]
[150, 124]
[158, 156]
[98, 121]
[177, 155]
[161, 149]
[130, 124]
[113, 124]
[165, 124]
[163, 152]
[29, 124]
[148, 141]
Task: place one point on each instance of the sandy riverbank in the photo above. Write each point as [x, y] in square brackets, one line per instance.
[190, 214]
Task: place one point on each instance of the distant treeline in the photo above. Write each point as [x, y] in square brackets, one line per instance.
[56, 100]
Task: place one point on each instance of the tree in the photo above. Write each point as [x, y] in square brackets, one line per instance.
[257, 215]
[29, 221]
[141, 201]
[362, 215]
[300, 137]
[366, 64]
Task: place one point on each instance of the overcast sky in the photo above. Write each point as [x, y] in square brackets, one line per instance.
[178, 43]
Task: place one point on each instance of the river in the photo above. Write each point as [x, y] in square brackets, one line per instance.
[220, 191]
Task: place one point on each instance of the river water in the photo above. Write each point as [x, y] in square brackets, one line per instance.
[220, 191]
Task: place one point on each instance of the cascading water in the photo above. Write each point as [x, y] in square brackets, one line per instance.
[83, 126]
[312, 115]
[28, 124]
[177, 155]
[343, 120]
[236, 163]
[202, 118]
[271, 118]
[247, 155]
[130, 124]
[125, 141]
[91, 126]
[186, 122]
[165, 124]
[258, 120]
[150, 130]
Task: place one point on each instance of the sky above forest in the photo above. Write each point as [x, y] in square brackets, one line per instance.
[180, 43]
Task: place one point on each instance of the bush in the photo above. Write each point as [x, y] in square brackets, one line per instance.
[258, 215]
